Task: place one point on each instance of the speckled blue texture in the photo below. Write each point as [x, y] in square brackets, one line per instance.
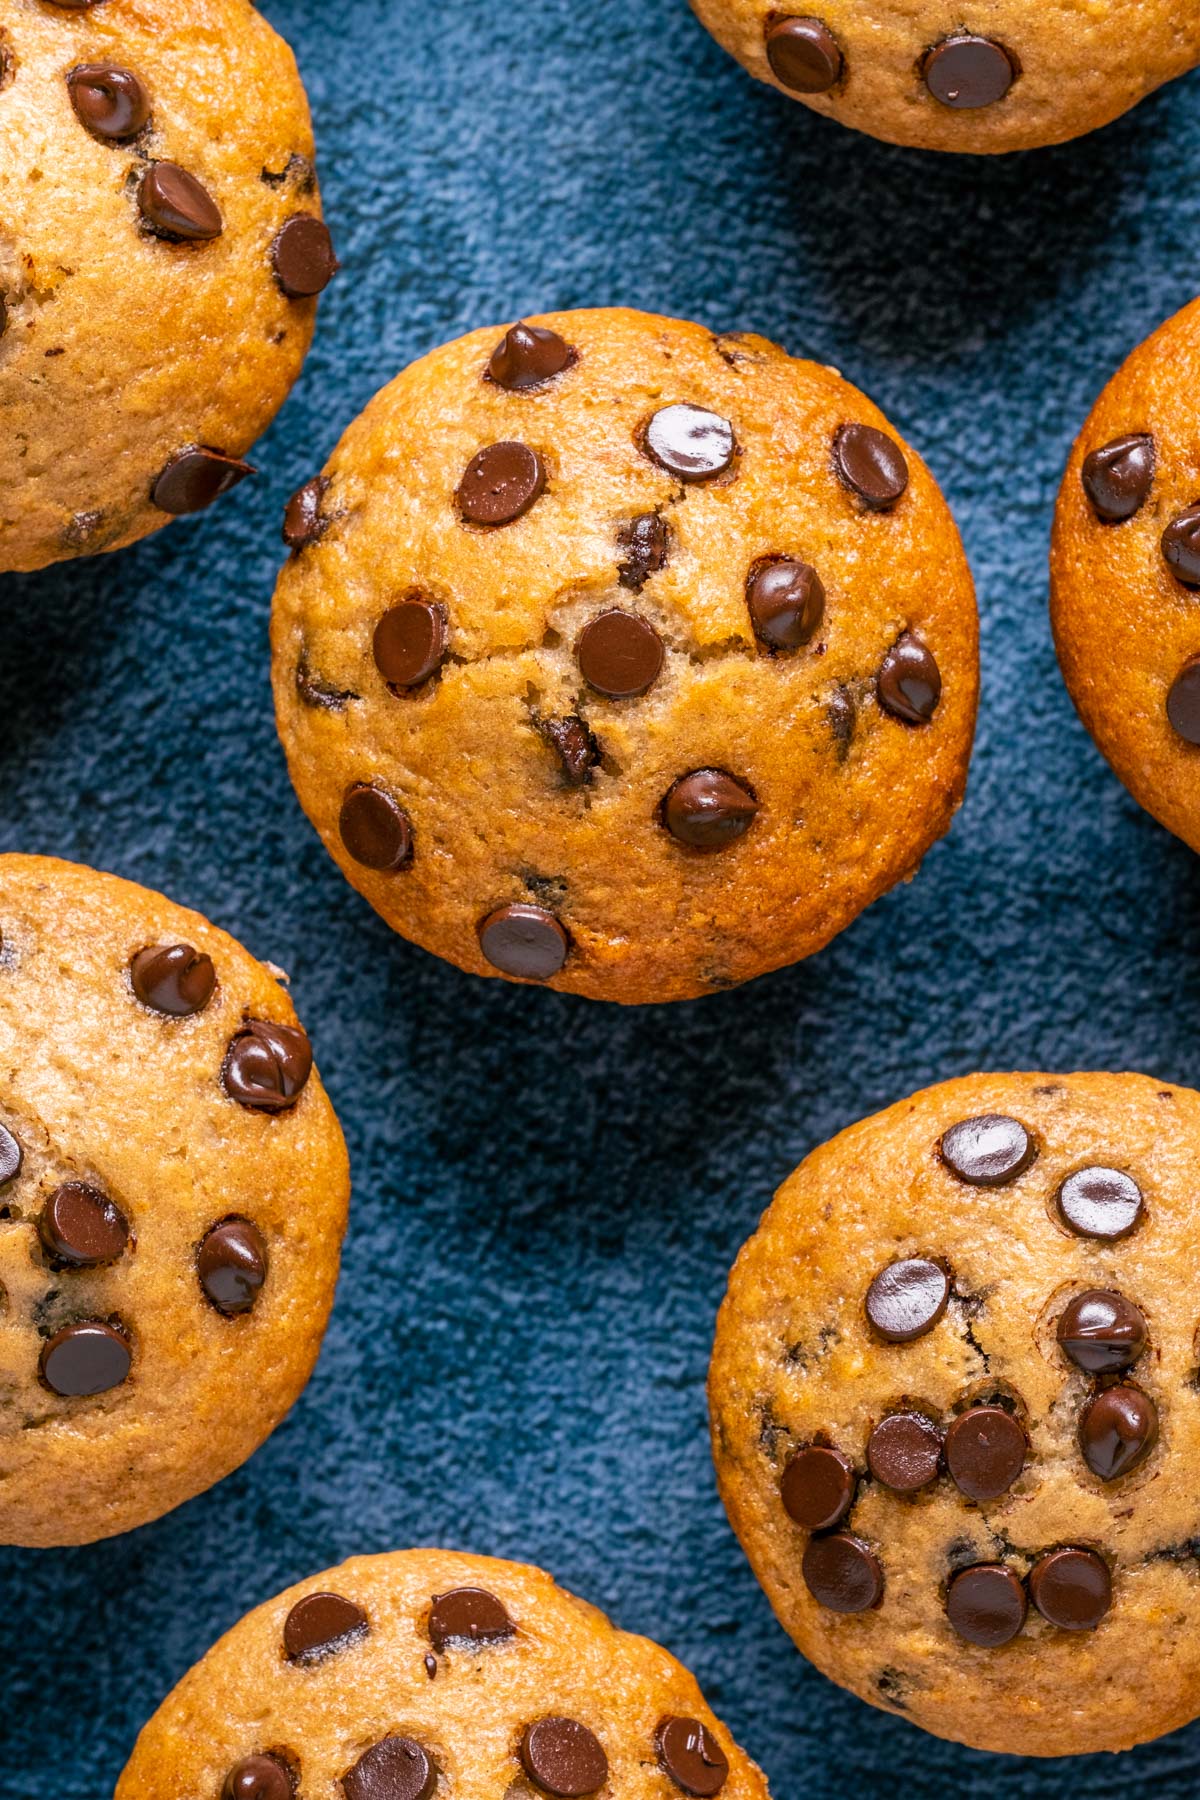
[548, 1193]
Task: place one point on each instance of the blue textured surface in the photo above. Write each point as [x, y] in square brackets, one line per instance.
[547, 1193]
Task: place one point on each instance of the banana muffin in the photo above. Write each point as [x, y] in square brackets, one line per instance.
[161, 249]
[173, 1189]
[624, 657]
[956, 1410]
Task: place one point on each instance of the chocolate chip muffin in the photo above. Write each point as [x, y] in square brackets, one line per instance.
[161, 248]
[1125, 576]
[607, 655]
[956, 1410]
[982, 76]
[397, 1676]
[173, 1191]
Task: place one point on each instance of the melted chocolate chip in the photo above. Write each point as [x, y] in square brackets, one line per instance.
[195, 477]
[646, 542]
[871, 464]
[817, 1489]
[619, 654]
[525, 941]
[500, 484]
[528, 356]
[1117, 1430]
[563, 1758]
[1118, 477]
[258, 1778]
[375, 829]
[842, 1573]
[904, 1452]
[986, 1605]
[1102, 1332]
[173, 979]
[176, 206]
[1183, 703]
[909, 683]
[690, 442]
[85, 1359]
[11, 1156]
[303, 522]
[398, 1768]
[985, 1452]
[907, 1299]
[691, 1756]
[410, 642]
[804, 55]
[321, 1624]
[267, 1065]
[321, 694]
[302, 257]
[988, 1151]
[708, 809]
[967, 72]
[1100, 1203]
[81, 1228]
[110, 102]
[576, 745]
[786, 602]
[1071, 1588]
[468, 1615]
[1181, 547]
[232, 1266]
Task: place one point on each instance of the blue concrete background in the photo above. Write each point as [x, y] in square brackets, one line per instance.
[548, 1194]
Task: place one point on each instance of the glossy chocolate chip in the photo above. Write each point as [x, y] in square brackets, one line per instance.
[375, 829]
[576, 744]
[907, 1299]
[804, 55]
[110, 102]
[1102, 1332]
[842, 1573]
[817, 1487]
[84, 1359]
[81, 1227]
[1181, 547]
[909, 683]
[468, 1615]
[646, 543]
[690, 1755]
[232, 1266]
[177, 206]
[267, 1065]
[564, 1758]
[173, 978]
[500, 484]
[1118, 477]
[303, 522]
[968, 72]
[11, 1156]
[398, 1768]
[988, 1151]
[258, 1778]
[1117, 1430]
[1183, 703]
[619, 654]
[195, 477]
[986, 1605]
[690, 442]
[526, 941]
[1071, 1588]
[302, 257]
[786, 602]
[985, 1452]
[1100, 1203]
[321, 1624]
[871, 465]
[708, 809]
[410, 642]
[528, 356]
[904, 1452]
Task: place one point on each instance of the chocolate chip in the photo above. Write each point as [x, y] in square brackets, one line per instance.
[986, 1605]
[232, 1266]
[1100, 1203]
[317, 693]
[84, 1359]
[195, 477]
[431, 1665]
[398, 1768]
[1181, 547]
[303, 522]
[691, 1756]
[871, 465]
[302, 257]
[968, 72]
[321, 1624]
[526, 941]
[786, 602]
[804, 55]
[646, 542]
[468, 1615]
[258, 1778]
[842, 1573]
[619, 654]
[11, 1156]
[176, 206]
[81, 1228]
[985, 1452]
[1117, 1430]
[173, 979]
[1071, 1588]
[528, 356]
[690, 442]
[267, 1065]
[904, 1452]
[410, 642]
[817, 1487]
[708, 809]
[988, 1151]
[1102, 1332]
[563, 1758]
[110, 102]
[907, 1299]
[500, 484]
[909, 683]
[375, 829]
[1183, 702]
[1118, 477]
[842, 717]
[576, 746]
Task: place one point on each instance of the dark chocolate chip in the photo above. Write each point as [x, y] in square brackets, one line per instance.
[1071, 1588]
[303, 522]
[81, 1228]
[986, 1605]
[176, 206]
[410, 642]
[321, 1624]
[232, 1266]
[173, 979]
[691, 1756]
[88, 1358]
[646, 542]
[431, 1665]
[1117, 1430]
[302, 257]
[1102, 1332]
[526, 941]
[321, 694]
[109, 101]
[988, 1151]
[398, 1768]
[576, 745]
[468, 1615]
[804, 55]
[817, 1489]
[904, 1452]
[871, 465]
[909, 683]
[619, 654]
[708, 809]
[267, 1065]
[528, 356]
[1181, 547]
[968, 72]
[1118, 477]
[1183, 702]
[11, 1156]
[907, 1299]
[1100, 1203]
[985, 1452]
[375, 829]
[786, 602]
[690, 442]
[500, 484]
[258, 1778]
[564, 1758]
[195, 477]
[842, 1573]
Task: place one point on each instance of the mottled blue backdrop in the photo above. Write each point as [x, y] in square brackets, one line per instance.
[547, 1193]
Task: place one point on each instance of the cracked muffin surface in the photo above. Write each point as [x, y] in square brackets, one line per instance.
[622, 656]
[396, 1676]
[173, 1188]
[161, 247]
[977, 76]
[955, 1410]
